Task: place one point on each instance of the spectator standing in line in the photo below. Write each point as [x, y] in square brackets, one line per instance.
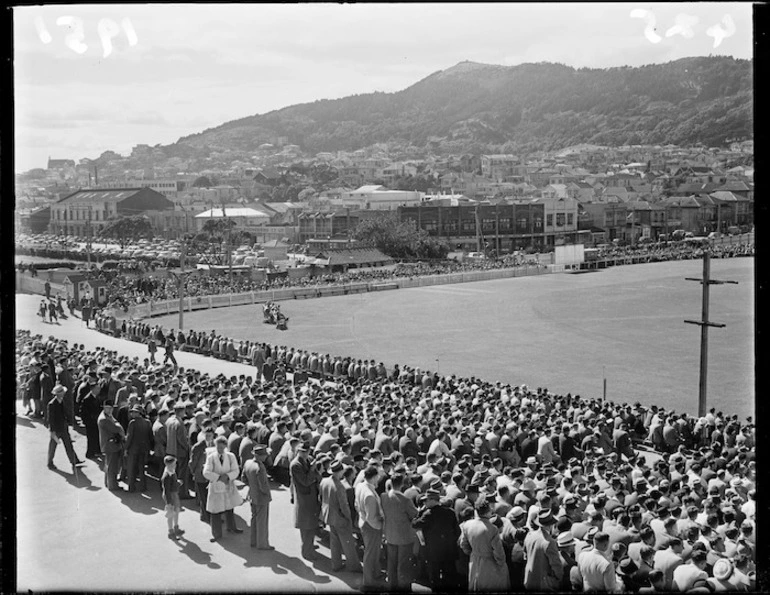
[198, 454]
[370, 521]
[304, 491]
[481, 541]
[666, 560]
[138, 446]
[33, 390]
[255, 476]
[221, 470]
[111, 440]
[398, 512]
[544, 569]
[597, 571]
[177, 446]
[160, 440]
[336, 513]
[170, 490]
[89, 414]
[46, 386]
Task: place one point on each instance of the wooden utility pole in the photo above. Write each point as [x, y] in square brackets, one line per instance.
[704, 324]
[181, 282]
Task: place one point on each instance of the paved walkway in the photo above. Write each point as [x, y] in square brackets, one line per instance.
[74, 534]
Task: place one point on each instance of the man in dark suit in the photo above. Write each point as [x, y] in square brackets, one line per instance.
[90, 409]
[139, 443]
[438, 531]
[336, 513]
[178, 446]
[255, 476]
[64, 377]
[398, 512]
[197, 460]
[46, 386]
[111, 439]
[160, 439]
[58, 420]
[304, 491]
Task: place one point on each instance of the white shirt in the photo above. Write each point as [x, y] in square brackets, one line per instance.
[685, 576]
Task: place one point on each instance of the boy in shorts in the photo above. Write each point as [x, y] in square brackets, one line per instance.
[170, 485]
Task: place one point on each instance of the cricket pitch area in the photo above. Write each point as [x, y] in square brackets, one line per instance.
[565, 332]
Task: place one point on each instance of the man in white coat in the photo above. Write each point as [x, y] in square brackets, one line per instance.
[221, 470]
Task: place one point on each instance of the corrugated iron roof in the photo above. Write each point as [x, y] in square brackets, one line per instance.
[231, 212]
[99, 195]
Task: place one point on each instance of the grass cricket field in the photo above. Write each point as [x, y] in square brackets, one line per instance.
[565, 332]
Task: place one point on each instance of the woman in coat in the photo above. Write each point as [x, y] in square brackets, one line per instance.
[481, 540]
[221, 470]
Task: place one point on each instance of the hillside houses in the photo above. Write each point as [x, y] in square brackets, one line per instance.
[614, 192]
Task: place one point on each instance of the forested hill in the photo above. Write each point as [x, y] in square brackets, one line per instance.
[477, 108]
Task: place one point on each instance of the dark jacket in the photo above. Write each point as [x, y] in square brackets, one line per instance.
[139, 437]
[57, 416]
[440, 529]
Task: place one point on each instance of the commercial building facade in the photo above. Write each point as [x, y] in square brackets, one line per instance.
[502, 227]
[87, 212]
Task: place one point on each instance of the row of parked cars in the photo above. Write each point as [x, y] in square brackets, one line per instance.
[160, 251]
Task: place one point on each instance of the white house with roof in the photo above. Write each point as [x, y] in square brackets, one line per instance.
[379, 198]
[244, 217]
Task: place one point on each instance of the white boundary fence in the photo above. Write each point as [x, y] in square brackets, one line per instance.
[25, 283]
[163, 307]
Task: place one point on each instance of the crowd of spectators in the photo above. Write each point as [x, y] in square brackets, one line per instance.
[458, 483]
[126, 290]
[659, 252]
[135, 283]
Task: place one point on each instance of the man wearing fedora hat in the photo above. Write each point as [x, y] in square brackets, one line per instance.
[336, 513]
[438, 531]
[544, 568]
[304, 491]
[90, 409]
[57, 422]
[480, 540]
[139, 442]
[628, 575]
[254, 475]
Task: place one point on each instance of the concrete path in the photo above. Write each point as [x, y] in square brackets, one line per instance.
[74, 534]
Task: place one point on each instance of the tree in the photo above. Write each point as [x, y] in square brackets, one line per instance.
[128, 229]
[307, 193]
[399, 239]
[211, 243]
[202, 182]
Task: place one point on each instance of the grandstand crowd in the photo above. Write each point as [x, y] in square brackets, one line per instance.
[678, 251]
[456, 483]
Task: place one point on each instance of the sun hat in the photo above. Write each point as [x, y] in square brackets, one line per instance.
[723, 569]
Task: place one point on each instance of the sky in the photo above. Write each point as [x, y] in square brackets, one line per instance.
[91, 78]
